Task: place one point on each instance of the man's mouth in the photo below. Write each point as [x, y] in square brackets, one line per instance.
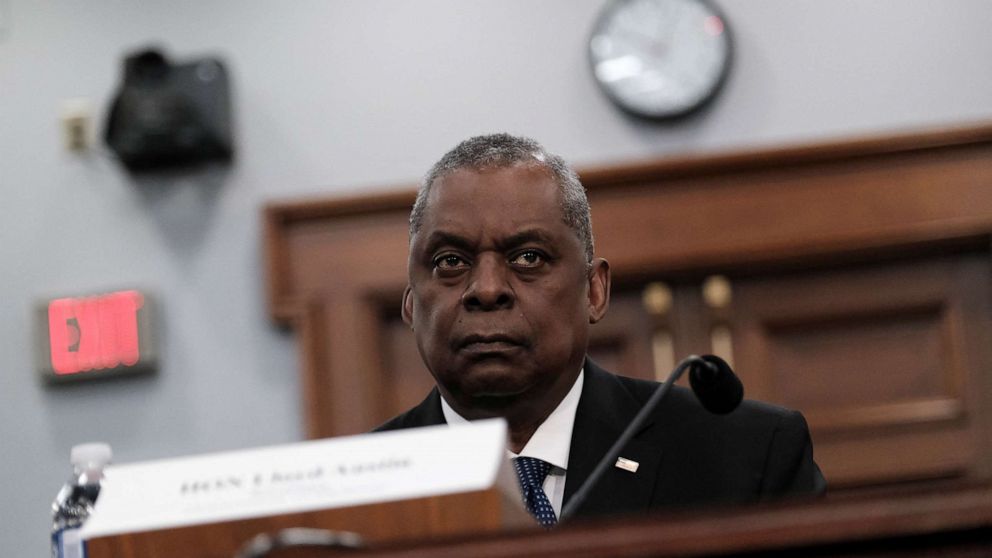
[489, 343]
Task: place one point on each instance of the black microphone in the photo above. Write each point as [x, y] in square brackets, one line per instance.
[716, 387]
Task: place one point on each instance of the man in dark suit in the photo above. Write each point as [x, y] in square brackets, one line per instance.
[503, 287]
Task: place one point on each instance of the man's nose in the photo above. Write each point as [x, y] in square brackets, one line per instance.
[489, 285]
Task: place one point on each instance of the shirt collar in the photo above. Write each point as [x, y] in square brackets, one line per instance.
[552, 440]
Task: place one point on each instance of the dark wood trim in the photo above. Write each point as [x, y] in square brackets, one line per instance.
[859, 527]
[323, 207]
[868, 418]
[923, 192]
[316, 386]
[279, 216]
[277, 267]
[766, 157]
[394, 198]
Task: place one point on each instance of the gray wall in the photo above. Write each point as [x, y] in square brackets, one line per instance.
[350, 96]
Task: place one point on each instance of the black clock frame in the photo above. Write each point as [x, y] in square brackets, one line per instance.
[695, 109]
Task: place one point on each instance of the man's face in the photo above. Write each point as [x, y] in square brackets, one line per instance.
[500, 295]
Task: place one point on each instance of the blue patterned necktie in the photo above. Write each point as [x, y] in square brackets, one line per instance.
[531, 473]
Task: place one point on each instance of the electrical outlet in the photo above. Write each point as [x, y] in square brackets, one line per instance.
[77, 118]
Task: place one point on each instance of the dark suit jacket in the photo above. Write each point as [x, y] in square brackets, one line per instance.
[687, 456]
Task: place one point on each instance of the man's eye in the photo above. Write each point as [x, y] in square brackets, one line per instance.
[449, 261]
[528, 258]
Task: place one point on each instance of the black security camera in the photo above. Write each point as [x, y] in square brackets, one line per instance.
[168, 115]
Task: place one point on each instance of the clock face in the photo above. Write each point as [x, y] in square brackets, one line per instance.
[660, 58]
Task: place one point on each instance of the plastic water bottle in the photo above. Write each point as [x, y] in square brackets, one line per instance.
[74, 503]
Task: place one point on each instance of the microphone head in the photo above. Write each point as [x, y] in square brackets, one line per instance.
[716, 386]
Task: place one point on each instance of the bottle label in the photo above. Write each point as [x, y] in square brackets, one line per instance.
[67, 544]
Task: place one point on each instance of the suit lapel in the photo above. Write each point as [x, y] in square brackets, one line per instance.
[605, 408]
[428, 412]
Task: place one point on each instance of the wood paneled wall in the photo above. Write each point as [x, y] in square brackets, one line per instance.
[850, 280]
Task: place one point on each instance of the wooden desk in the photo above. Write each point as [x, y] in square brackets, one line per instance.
[953, 523]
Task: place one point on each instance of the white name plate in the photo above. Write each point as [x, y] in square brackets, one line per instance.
[307, 476]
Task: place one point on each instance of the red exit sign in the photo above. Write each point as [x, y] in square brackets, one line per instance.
[94, 336]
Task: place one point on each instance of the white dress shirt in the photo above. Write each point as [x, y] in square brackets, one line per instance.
[551, 441]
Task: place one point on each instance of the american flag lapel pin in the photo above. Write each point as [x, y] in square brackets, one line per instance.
[627, 464]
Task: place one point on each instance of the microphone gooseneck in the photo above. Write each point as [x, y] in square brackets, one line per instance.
[715, 385]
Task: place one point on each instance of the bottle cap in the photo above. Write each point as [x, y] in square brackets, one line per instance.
[90, 455]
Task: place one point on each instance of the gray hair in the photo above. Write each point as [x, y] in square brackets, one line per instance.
[497, 151]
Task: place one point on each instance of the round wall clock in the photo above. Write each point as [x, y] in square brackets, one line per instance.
[660, 59]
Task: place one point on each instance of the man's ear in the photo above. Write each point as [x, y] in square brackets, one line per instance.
[599, 289]
[407, 308]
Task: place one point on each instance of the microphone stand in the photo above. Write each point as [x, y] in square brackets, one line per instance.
[580, 496]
